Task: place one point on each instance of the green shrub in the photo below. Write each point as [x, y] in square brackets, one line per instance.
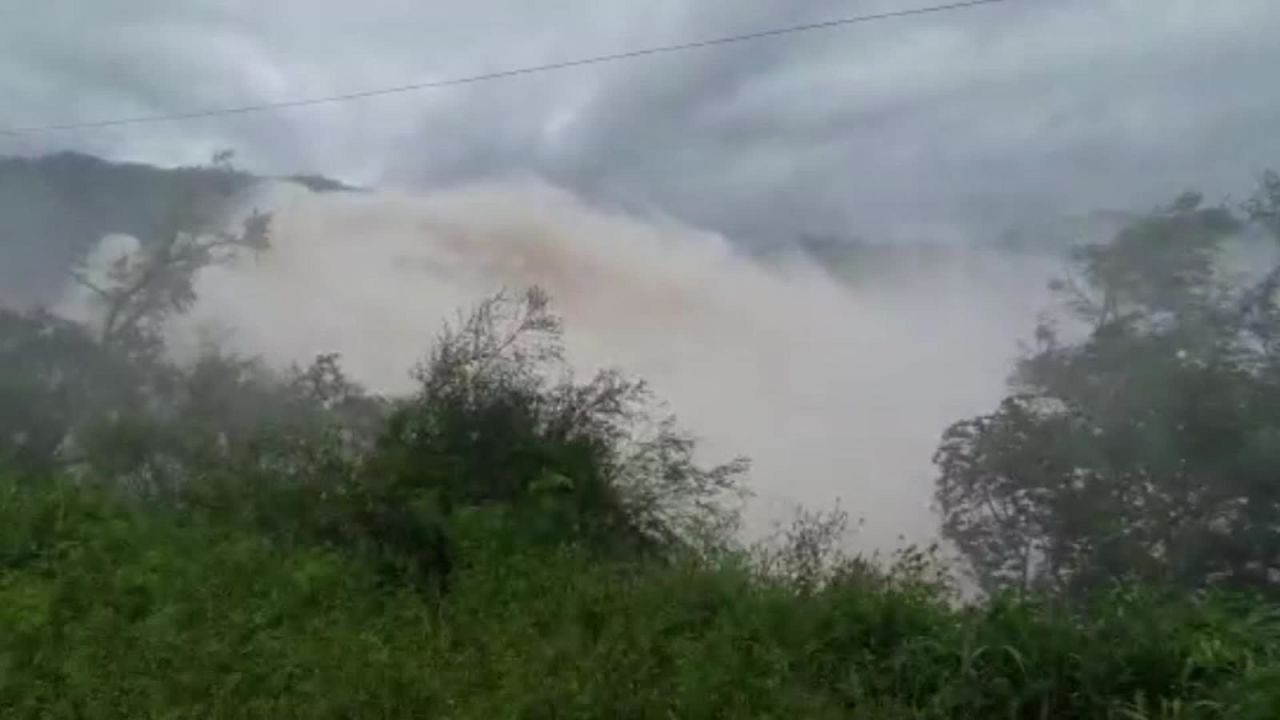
[111, 609]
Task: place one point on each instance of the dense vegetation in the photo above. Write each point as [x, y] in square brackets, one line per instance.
[220, 539]
[111, 610]
[1149, 447]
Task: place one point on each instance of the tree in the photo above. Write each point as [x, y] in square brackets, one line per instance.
[140, 290]
[56, 384]
[1150, 446]
[76, 396]
[499, 430]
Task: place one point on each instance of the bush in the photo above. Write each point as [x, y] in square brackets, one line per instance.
[108, 609]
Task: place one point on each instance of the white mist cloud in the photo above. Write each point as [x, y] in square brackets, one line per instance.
[832, 391]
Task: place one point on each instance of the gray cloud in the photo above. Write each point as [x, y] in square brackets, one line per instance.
[934, 126]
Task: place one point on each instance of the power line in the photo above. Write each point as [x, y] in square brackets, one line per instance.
[499, 74]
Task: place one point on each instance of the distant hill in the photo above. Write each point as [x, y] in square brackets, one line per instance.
[54, 207]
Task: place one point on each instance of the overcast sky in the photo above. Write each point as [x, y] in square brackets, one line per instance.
[939, 126]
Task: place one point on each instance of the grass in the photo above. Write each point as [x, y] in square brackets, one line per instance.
[111, 610]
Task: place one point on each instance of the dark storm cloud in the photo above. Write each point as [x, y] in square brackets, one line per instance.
[934, 126]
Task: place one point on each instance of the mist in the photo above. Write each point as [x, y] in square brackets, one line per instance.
[837, 391]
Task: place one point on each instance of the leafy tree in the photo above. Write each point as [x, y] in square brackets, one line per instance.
[1151, 445]
[56, 385]
[141, 290]
[500, 431]
[99, 398]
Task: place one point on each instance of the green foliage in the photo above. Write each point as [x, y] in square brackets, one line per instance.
[108, 609]
[1149, 447]
[500, 433]
[499, 421]
[140, 290]
[56, 387]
